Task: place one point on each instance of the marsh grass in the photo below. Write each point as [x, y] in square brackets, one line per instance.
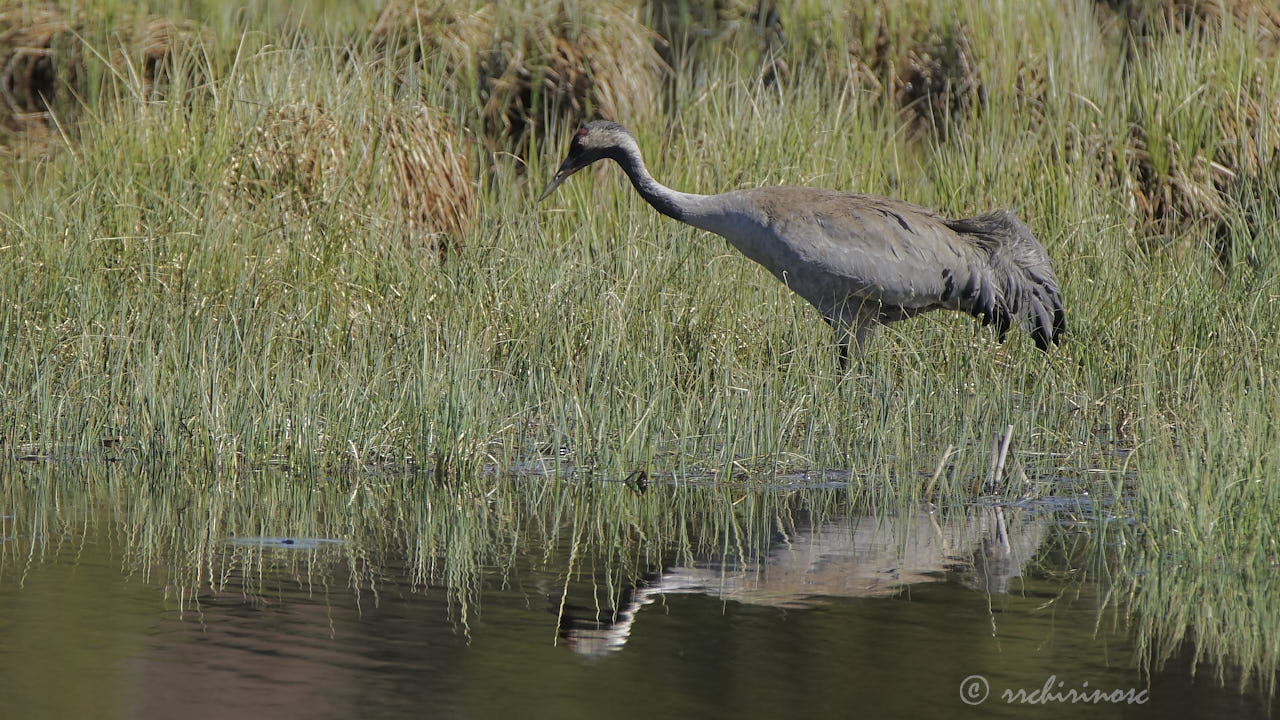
[229, 327]
[204, 540]
[158, 309]
[237, 328]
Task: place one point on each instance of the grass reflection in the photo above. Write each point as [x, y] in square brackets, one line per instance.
[597, 553]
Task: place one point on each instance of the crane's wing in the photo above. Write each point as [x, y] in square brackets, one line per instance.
[875, 249]
[887, 260]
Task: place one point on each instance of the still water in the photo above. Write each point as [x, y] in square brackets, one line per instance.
[971, 612]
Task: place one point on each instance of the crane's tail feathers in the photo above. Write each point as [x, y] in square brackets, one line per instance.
[1021, 287]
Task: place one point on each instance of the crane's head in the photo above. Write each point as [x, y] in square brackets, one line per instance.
[593, 141]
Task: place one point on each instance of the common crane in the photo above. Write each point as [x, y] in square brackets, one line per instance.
[861, 260]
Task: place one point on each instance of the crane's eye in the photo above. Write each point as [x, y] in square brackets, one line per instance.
[582, 132]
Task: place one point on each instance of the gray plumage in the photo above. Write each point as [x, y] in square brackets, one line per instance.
[861, 260]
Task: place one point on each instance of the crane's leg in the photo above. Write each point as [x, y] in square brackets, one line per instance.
[847, 334]
[840, 330]
[850, 332]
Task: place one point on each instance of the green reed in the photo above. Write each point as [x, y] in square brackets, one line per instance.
[153, 312]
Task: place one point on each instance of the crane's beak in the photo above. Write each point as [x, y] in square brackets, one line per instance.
[567, 168]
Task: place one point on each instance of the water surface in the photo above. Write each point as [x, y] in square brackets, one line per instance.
[784, 608]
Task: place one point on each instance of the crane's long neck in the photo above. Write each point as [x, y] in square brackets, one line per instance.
[697, 210]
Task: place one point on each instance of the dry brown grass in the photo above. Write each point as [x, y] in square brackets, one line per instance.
[535, 64]
[1193, 190]
[939, 82]
[44, 73]
[157, 47]
[409, 171]
[296, 154]
[41, 63]
[404, 28]
[427, 171]
[1199, 193]
[870, 55]
[1149, 18]
[1182, 198]
[685, 25]
[682, 22]
[1251, 124]
[929, 71]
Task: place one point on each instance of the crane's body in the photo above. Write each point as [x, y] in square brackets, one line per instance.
[860, 260]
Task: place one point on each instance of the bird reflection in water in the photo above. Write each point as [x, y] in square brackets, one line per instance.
[856, 557]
